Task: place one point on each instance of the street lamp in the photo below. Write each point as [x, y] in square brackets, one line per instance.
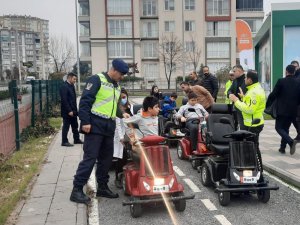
[77, 45]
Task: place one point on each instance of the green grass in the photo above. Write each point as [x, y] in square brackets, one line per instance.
[17, 171]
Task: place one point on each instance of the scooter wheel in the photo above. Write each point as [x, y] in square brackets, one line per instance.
[263, 196]
[136, 209]
[180, 151]
[181, 204]
[224, 198]
[205, 176]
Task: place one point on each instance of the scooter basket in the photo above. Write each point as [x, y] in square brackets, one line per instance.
[243, 154]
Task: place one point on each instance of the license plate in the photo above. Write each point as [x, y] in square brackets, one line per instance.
[247, 173]
[249, 180]
[161, 188]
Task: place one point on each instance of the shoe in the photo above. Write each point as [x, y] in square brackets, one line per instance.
[67, 144]
[282, 150]
[118, 183]
[78, 196]
[293, 147]
[78, 142]
[104, 191]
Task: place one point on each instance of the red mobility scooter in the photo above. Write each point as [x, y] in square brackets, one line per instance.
[150, 178]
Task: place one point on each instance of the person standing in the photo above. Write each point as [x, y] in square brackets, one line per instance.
[194, 80]
[69, 110]
[297, 123]
[210, 83]
[98, 109]
[287, 93]
[228, 85]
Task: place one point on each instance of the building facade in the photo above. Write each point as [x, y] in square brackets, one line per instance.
[24, 39]
[147, 31]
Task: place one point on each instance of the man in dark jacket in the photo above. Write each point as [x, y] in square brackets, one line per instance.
[210, 82]
[287, 93]
[69, 111]
[297, 76]
[237, 88]
[194, 80]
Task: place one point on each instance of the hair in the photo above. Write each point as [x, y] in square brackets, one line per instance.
[252, 74]
[71, 74]
[149, 102]
[191, 95]
[238, 67]
[205, 67]
[184, 83]
[174, 95]
[152, 89]
[290, 69]
[295, 62]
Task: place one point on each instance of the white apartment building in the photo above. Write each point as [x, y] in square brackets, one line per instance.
[136, 29]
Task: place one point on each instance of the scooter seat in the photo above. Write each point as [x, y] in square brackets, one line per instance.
[220, 149]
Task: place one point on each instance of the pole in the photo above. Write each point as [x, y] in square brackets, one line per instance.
[16, 111]
[183, 58]
[77, 46]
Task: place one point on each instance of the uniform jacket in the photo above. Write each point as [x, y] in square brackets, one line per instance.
[204, 97]
[210, 83]
[227, 86]
[68, 99]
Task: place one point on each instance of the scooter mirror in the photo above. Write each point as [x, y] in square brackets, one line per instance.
[255, 121]
[225, 120]
[191, 110]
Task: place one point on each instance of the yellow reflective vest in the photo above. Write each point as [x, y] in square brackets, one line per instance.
[107, 98]
[252, 105]
[227, 86]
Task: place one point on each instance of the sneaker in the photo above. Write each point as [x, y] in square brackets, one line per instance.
[78, 141]
[281, 150]
[67, 144]
[293, 147]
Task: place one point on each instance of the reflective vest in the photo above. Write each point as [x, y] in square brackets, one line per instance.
[252, 105]
[227, 86]
[107, 98]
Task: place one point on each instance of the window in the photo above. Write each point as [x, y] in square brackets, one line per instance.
[220, 28]
[170, 47]
[149, 8]
[215, 66]
[169, 26]
[189, 46]
[84, 9]
[120, 49]
[151, 71]
[150, 29]
[254, 24]
[150, 50]
[189, 4]
[85, 49]
[218, 49]
[119, 7]
[249, 5]
[189, 26]
[217, 7]
[169, 5]
[84, 29]
[119, 27]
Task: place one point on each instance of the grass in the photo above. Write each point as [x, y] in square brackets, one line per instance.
[17, 171]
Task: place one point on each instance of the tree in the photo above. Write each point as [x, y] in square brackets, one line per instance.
[222, 74]
[193, 53]
[62, 53]
[8, 74]
[85, 70]
[170, 51]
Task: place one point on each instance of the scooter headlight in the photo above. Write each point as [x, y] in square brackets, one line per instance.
[237, 177]
[159, 181]
[171, 183]
[146, 186]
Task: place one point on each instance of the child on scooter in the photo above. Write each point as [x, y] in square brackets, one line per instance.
[187, 116]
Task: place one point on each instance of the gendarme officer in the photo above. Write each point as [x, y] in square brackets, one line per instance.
[98, 109]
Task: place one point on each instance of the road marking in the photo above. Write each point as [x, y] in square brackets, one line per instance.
[178, 171]
[192, 186]
[208, 204]
[282, 182]
[222, 219]
[94, 210]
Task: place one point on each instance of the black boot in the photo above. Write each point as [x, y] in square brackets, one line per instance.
[78, 196]
[104, 191]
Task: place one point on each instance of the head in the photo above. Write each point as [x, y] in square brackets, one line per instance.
[118, 70]
[205, 70]
[72, 78]
[193, 75]
[173, 97]
[238, 71]
[192, 98]
[251, 77]
[295, 63]
[124, 98]
[154, 89]
[150, 105]
[231, 75]
[290, 70]
[185, 86]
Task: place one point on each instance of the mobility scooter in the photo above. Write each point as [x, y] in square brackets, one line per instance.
[236, 167]
[150, 178]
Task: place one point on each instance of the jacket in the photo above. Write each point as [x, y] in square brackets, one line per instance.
[227, 86]
[210, 83]
[168, 105]
[204, 97]
[68, 99]
[234, 89]
[200, 112]
[195, 82]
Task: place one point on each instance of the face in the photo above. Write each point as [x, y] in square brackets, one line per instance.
[248, 81]
[172, 99]
[184, 87]
[192, 101]
[237, 72]
[72, 79]
[205, 70]
[154, 111]
[115, 75]
[296, 65]
[155, 89]
[192, 75]
[123, 99]
[231, 76]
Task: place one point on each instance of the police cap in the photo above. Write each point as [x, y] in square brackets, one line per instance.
[120, 65]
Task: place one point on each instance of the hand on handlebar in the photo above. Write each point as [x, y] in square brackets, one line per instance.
[183, 119]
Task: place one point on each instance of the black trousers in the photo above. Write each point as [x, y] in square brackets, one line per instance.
[282, 126]
[96, 147]
[67, 121]
[193, 128]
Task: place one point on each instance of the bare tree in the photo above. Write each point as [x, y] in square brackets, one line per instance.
[62, 53]
[193, 53]
[170, 50]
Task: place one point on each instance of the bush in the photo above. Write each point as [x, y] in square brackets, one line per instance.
[4, 94]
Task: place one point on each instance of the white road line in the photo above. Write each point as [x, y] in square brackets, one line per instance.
[94, 210]
[178, 171]
[192, 185]
[208, 204]
[282, 182]
[222, 219]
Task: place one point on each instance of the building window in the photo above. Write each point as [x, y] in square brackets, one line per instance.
[84, 9]
[120, 49]
[189, 46]
[169, 5]
[150, 29]
[85, 48]
[217, 7]
[215, 66]
[189, 4]
[149, 8]
[119, 7]
[119, 27]
[254, 24]
[218, 28]
[218, 49]
[189, 25]
[169, 26]
[170, 47]
[84, 29]
[151, 71]
[150, 49]
[249, 5]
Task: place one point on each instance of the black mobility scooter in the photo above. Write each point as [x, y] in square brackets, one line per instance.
[236, 167]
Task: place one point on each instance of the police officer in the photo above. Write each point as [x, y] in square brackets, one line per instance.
[98, 109]
[252, 106]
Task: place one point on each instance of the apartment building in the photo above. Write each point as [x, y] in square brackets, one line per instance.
[24, 39]
[137, 30]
